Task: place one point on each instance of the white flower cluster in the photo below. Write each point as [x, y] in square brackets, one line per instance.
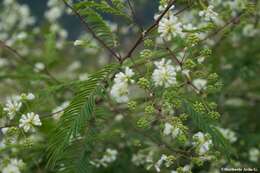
[209, 14]
[29, 120]
[14, 166]
[228, 134]
[164, 74]
[109, 157]
[143, 159]
[160, 162]
[55, 10]
[38, 67]
[202, 142]
[200, 84]
[184, 169]
[171, 130]
[170, 27]
[120, 89]
[59, 110]
[13, 24]
[14, 104]
[254, 154]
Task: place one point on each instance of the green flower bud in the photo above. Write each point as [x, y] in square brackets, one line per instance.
[214, 115]
[143, 83]
[132, 105]
[149, 109]
[143, 122]
[28, 143]
[205, 52]
[148, 43]
[199, 107]
[146, 53]
[192, 40]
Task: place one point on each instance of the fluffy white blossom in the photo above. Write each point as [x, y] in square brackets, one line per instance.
[200, 83]
[171, 130]
[29, 120]
[228, 134]
[250, 30]
[12, 106]
[170, 27]
[144, 158]
[13, 166]
[160, 162]
[39, 66]
[209, 14]
[119, 90]
[29, 96]
[164, 74]
[109, 157]
[78, 43]
[254, 154]
[202, 143]
[58, 111]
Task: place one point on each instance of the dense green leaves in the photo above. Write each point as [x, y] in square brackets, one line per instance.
[77, 113]
[208, 126]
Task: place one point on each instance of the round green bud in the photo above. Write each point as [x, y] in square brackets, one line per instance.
[149, 109]
[143, 83]
[206, 52]
[143, 122]
[148, 43]
[132, 105]
[146, 53]
[214, 115]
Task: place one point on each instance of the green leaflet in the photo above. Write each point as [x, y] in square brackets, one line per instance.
[98, 26]
[102, 7]
[77, 114]
[207, 126]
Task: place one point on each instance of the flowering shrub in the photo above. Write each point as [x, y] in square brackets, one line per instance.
[177, 92]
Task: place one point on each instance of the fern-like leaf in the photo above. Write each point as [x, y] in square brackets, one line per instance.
[99, 26]
[103, 7]
[77, 114]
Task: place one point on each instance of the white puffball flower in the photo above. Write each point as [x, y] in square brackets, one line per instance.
[167, 129]
[200, 83]
[254, 154]
[29, 96]
[209, 14]
[78, 43]
[29, 120]
[202, 143]
[13, 166]
[164, 74]
[119, 90]
[171, 130]
[12, 106]
[160, 162]
[228, 134]
[170, 27]
[39, 66]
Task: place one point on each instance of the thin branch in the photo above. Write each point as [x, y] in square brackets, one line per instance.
[88, 29]
[146, 32]
[154, 25]
[134, 15]
[22, 58]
